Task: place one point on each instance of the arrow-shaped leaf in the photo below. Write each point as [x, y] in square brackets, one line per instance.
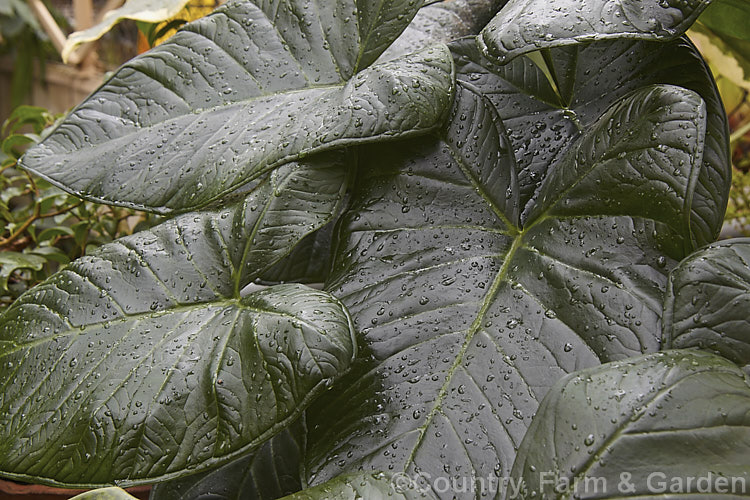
[143, 362]
[544, 118]
[468, 317]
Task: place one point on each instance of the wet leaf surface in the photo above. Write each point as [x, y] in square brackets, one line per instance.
[523, 26]
[442, 21]
[640, 428]
[271, 472]
[467, 316]
[708, 303]
[239, 92]
[544, 117]
[142, 362]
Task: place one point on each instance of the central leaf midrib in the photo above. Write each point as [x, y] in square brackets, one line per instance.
[491, 294]
[473, 329]
[224, 302]
[489, 298]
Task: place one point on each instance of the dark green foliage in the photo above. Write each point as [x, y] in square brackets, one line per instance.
[670, 407]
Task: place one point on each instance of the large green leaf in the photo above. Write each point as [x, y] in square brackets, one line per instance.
[643, 428]
[708, 304]
[271, 472]
[240, 91]
[523, 26]
[153, 396]
[468, 317]
[544, 118]
[143, 362]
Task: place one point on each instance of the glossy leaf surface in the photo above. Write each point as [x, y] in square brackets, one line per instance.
[708, 304]
[469, 317]
[443, 21]
[216, 380]
[523, 26]
[271, 472]
[141, 361]
[640, 428]
[544, 118]
[238, 92]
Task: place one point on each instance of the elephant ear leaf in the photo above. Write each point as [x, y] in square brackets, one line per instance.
[467, 316]
[523, 26]
[239, 92]
[143, 362]
[671, 424]
[708, 301]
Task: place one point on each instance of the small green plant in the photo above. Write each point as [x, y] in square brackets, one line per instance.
[508, 205]
[45, 227]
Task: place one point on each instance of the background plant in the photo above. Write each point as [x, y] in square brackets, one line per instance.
[497, 237]
[45, 227]
[723, 37]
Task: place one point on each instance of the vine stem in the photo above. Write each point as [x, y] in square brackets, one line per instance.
[34, 217]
